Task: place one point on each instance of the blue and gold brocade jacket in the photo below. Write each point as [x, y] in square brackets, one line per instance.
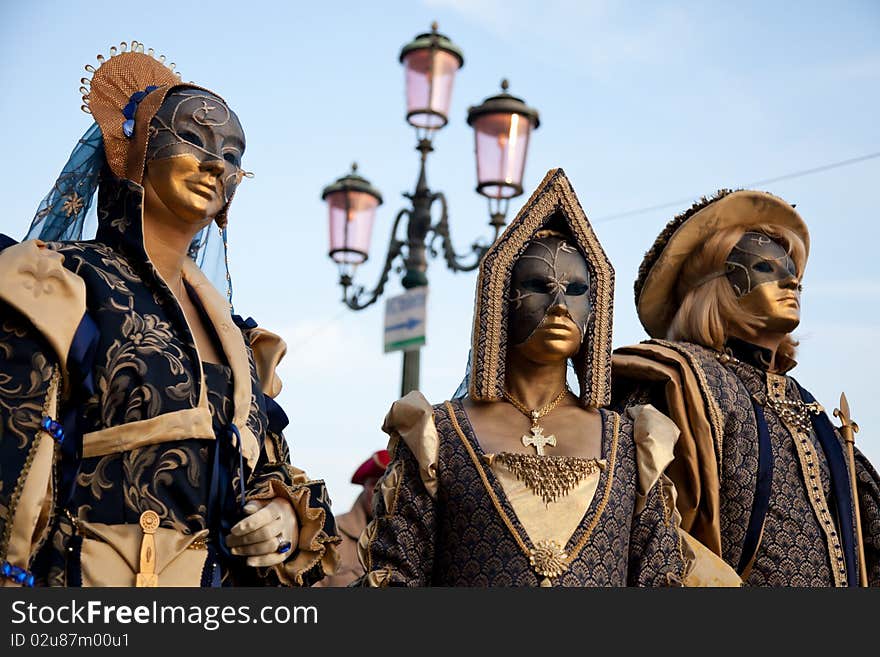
[107, 412]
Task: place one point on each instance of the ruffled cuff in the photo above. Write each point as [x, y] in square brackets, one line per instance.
[316, 552]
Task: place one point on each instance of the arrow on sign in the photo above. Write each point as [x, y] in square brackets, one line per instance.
[409, 324]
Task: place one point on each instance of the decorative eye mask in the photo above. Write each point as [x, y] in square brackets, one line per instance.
[757, 260]
[197, 123]
[551, 272]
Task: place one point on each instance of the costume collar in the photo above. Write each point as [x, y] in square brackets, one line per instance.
[755, 355]
[120, 226]
[121, 217]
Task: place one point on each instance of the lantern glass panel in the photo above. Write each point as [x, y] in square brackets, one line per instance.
[502, 140]
[351, 225]
[429, 86]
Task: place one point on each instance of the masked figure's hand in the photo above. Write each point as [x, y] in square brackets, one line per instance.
[262, 536]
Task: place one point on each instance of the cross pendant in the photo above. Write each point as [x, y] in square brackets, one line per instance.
[538, 440]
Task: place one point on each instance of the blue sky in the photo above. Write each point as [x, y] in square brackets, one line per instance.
[641, 104]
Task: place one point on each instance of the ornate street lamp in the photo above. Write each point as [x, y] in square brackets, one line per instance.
[502, 126]
[352, 202]
[431, 61]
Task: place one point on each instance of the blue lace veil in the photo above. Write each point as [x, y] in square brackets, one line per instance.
[67, 213]
[62, 214]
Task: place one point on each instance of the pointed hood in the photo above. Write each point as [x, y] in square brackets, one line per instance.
[554, 202]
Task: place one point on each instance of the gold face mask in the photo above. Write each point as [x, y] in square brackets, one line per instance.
[765, 279]
[194, 154]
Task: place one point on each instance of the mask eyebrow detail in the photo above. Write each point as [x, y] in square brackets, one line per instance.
[202, 116]
[558, 282]
[768, 268]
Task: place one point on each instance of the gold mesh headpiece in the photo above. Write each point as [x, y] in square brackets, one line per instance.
[110, 90]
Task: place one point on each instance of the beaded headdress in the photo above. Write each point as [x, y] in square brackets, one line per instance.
[123, 94]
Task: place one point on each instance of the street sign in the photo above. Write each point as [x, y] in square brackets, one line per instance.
[405, 318]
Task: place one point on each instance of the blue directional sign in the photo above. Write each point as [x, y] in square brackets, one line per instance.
[405, 320]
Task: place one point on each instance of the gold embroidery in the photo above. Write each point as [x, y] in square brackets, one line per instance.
[600, 509]
[794, 414]
[73, 203]
[548, 559]
[548, 477]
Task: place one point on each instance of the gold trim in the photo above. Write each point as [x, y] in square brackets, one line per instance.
[797, 423]
[177, 425]
[232, 342]
[554, 194]
[33, 490]
[715, 416]
[600, 509]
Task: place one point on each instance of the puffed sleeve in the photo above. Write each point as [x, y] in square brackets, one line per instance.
[41, 306]
[315, 553]
[661, 552]
[397, 547]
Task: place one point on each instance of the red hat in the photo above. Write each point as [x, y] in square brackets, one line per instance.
[372, 467]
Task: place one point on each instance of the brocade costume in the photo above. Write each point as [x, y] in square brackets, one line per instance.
[765, 490]
[468, 532]
[448, 514]
[124, 459]
[761, 473]
[90, 332]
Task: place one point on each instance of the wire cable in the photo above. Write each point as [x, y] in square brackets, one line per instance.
[757, 183]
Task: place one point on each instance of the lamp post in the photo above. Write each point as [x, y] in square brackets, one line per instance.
[502, 125]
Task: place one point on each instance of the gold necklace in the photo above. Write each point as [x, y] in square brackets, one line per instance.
[537, 439]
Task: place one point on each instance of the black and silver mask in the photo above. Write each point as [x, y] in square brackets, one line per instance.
[551, 272]
[200, 124]
[755, 260]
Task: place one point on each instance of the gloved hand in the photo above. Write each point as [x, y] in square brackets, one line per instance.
[271, 525]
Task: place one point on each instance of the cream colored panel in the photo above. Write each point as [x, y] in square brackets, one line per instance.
[555, 521]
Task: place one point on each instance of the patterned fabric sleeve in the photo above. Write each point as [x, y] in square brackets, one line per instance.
[869, 507]
[315, 553]
[656, 553]
[397, 547]
[29, 383]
